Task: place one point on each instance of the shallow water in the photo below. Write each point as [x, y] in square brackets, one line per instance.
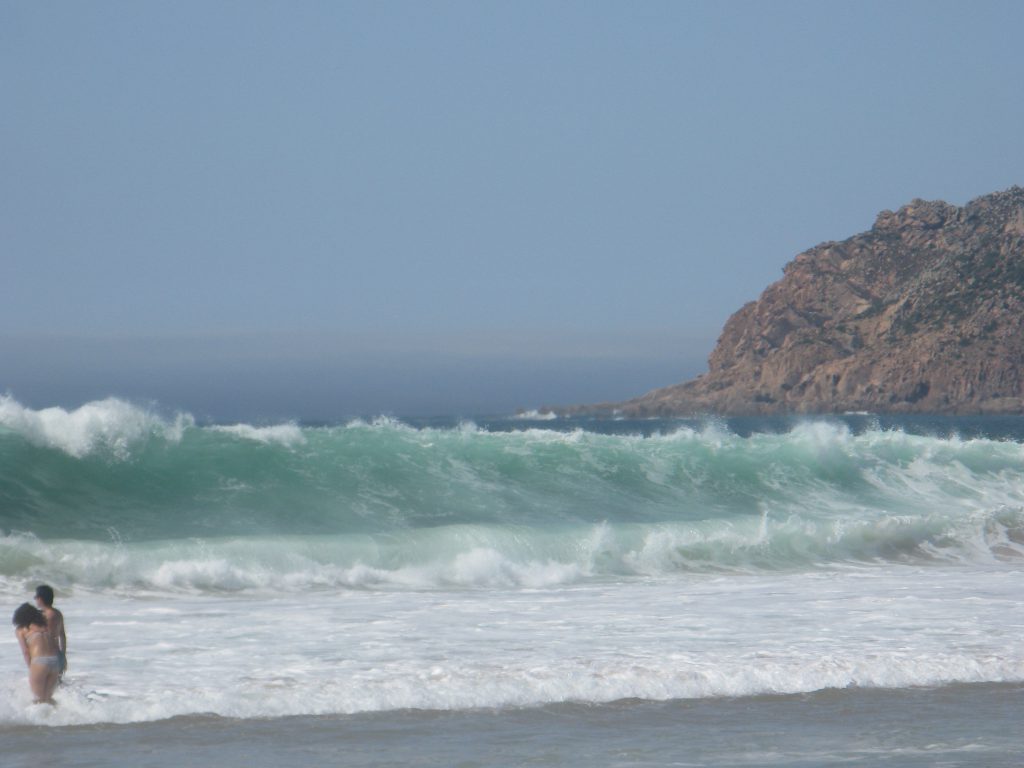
[152, 657]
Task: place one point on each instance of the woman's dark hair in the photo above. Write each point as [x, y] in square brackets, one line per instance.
[28, 614]
[45, 593]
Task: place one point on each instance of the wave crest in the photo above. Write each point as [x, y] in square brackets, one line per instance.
[110, 425]
[287, 435]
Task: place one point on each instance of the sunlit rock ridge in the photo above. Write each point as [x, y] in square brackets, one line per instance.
[924, 313]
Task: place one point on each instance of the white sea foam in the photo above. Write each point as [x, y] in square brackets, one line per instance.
[485, 557]
[535, 415]
[282, 434]
[691, 637]
[112, 425]
[116, 426]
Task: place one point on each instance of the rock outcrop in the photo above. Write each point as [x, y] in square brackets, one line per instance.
[923, 313]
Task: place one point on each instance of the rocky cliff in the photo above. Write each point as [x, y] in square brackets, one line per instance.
[923, 313]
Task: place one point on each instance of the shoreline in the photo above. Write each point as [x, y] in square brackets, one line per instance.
[960, 724]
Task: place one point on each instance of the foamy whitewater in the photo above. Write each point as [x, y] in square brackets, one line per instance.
[262, 571]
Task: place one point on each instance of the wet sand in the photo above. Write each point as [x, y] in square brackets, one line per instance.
[960, 725]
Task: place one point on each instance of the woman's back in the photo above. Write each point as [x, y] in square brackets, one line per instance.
[39, 641]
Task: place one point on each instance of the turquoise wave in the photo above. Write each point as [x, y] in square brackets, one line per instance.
[121, 491]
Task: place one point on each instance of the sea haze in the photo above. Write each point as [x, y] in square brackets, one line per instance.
[263, 377]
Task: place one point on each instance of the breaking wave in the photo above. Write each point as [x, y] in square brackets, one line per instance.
[114, 496]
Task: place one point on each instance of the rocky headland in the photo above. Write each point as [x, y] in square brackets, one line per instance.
[924, 313]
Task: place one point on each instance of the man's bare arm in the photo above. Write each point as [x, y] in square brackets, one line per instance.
[62, 639]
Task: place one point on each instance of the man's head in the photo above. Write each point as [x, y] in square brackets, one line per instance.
[44, 596]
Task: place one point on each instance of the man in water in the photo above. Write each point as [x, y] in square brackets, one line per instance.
[54, 623]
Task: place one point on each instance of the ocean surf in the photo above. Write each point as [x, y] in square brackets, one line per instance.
[248, 572]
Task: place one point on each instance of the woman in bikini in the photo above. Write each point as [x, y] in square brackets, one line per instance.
[40, 651]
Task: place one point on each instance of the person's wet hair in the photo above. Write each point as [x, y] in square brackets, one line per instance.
[45, 593]
[26, 615]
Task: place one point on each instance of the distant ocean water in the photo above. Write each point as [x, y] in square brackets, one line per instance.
[378, 568]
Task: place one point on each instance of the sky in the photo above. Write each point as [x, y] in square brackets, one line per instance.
[312, 210]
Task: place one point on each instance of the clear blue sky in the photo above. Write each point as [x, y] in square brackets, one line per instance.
[310, 209]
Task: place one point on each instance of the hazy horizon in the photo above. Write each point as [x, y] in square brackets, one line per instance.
[332, 376]
[265, 210]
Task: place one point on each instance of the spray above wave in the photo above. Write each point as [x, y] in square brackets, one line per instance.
[112, 426]
[113, 429]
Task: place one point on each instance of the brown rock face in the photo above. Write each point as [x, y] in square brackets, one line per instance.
[923, 313]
